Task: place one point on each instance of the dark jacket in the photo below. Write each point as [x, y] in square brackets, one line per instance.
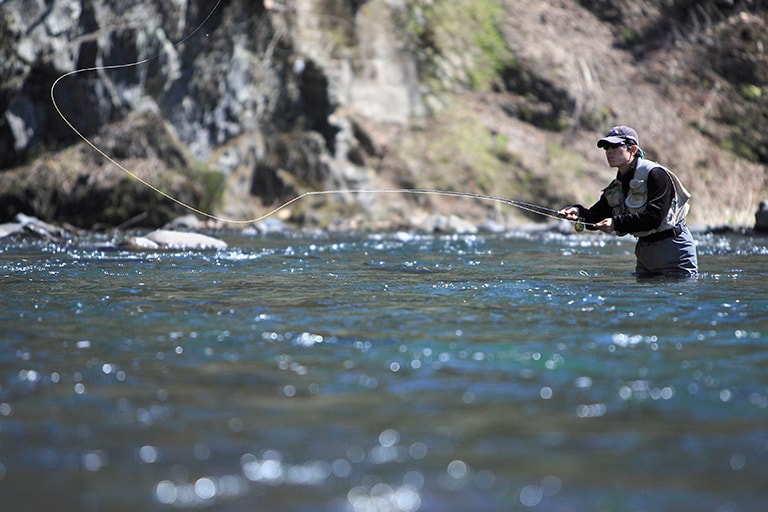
[661, 192]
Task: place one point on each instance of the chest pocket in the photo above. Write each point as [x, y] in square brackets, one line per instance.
[638, 194]
[613, 194]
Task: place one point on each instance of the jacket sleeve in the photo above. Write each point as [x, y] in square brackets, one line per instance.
[661, 191]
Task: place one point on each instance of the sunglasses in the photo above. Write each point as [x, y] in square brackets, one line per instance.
[614, 146]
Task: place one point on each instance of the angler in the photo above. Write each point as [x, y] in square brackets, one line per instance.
[646, 200]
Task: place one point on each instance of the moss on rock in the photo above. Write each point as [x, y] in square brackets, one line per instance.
[459, 43]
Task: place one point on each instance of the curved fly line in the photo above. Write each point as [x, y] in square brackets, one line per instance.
[532, 208]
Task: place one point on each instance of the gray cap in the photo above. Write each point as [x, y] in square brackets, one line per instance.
[619, 135]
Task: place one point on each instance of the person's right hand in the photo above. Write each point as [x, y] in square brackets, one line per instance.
[570, 213]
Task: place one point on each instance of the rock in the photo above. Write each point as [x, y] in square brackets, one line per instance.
[41, 228]
[27, 226]
[9, 229]
[138, 243]
[272, 227]
[444, 224]
[188, 222]
[492, 226]
[167, 239]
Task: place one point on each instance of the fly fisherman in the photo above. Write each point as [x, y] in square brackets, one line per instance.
[646, 200]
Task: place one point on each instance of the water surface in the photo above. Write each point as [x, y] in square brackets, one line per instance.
[383, 373]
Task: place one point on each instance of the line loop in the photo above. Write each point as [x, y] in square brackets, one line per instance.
[536, 209]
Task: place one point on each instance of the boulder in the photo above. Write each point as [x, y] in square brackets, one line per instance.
[138, 243]
[177, 240]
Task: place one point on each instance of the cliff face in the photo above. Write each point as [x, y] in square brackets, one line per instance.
[238, 105]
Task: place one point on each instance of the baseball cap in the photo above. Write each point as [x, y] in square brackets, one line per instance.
[619, 135]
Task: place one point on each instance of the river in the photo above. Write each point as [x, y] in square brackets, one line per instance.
[389, 373]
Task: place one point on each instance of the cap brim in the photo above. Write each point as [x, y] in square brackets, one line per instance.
[609, 141]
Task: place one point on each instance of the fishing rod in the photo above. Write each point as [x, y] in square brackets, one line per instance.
[579, 225]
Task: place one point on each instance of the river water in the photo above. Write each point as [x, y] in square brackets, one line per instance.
[389, 373]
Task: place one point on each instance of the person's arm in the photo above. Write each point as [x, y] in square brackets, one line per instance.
[592, 215]
[588, 215]
[661, 191]
[597, 212]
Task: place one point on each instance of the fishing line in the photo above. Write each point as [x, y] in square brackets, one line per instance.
[532, 208]
[98, 149]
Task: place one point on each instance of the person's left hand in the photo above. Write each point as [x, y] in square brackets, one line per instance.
[606, 225]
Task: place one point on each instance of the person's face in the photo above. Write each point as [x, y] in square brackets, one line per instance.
[619, 155]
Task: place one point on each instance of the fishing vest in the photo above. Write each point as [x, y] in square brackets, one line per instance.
[637, 197]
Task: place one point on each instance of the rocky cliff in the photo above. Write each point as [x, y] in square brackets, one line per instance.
[235, 106]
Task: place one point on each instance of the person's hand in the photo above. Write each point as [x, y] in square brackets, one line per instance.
[570, 213]
[606, 225]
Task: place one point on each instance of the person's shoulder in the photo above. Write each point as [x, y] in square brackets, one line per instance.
[651, 164]
[646, 167]
[657, 173]
[658, 170]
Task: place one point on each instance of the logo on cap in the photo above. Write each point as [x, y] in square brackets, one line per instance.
[625, 132]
